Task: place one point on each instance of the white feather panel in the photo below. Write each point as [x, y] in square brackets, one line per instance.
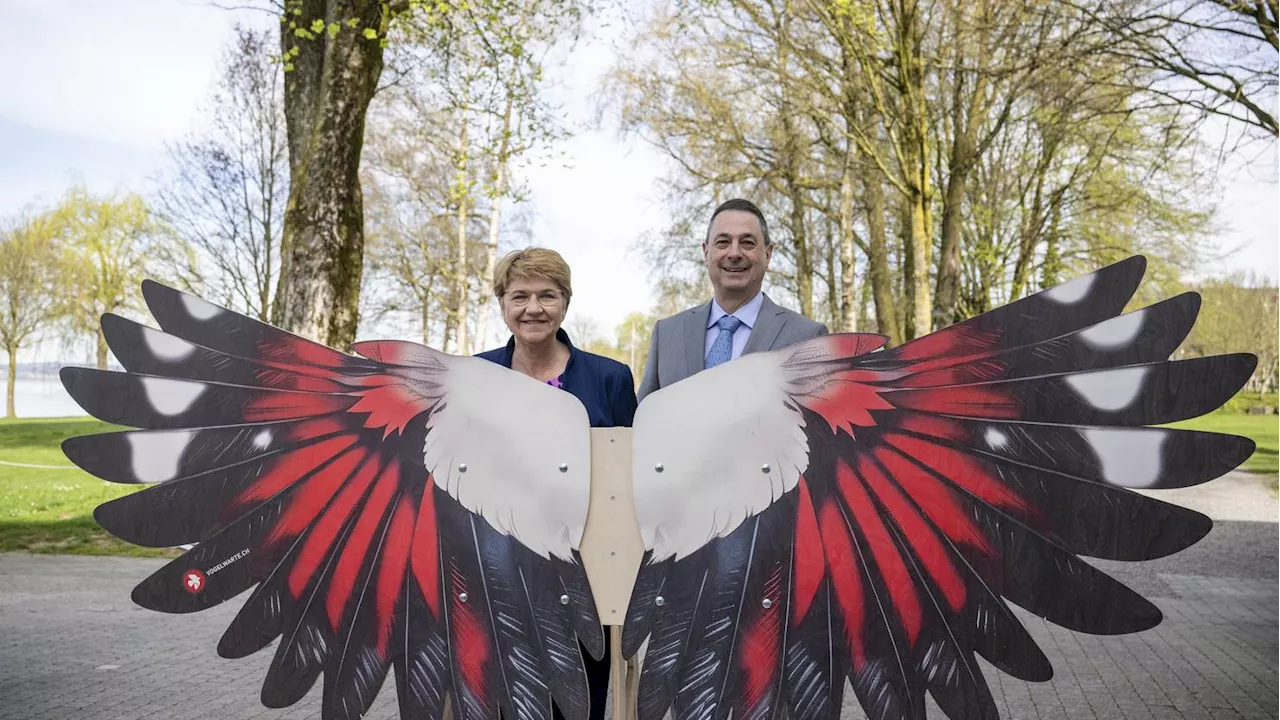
[497, 442]
[156, 455]
[729, 442]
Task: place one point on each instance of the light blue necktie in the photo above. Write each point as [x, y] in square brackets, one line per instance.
[722, 348]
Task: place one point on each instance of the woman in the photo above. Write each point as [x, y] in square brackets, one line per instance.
[533, 290]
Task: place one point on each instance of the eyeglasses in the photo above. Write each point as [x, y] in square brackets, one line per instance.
[546, 298]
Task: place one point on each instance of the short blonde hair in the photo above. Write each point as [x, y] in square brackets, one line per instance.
[532, 263]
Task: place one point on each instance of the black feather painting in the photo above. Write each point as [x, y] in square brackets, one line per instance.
[827, 516]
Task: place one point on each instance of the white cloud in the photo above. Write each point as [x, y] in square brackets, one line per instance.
[130, 72]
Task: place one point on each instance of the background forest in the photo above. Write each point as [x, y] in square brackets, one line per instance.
[921, 161]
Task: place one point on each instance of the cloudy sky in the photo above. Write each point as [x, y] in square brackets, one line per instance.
[93, 90]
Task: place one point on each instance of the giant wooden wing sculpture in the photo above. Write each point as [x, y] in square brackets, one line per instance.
[825, 513]
[406, 508]
[811, 516]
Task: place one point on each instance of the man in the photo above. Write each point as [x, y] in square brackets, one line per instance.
[740, 318]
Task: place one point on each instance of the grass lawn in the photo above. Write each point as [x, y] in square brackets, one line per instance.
[51, 510]
[1262, 428]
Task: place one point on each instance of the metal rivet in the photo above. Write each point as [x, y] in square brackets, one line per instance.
[767, 603]
[658, 467]
[462, 597]
[564, 599]
[462, 467]
[660, 601]
[564, 467]
[613, 554]
[764, 468]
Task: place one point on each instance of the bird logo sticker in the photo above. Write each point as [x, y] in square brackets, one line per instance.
[193, 581]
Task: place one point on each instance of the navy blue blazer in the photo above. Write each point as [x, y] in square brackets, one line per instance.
[605, 386]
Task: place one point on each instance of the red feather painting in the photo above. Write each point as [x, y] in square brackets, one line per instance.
[827, 516]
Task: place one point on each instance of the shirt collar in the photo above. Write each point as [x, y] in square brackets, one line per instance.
[747, 313]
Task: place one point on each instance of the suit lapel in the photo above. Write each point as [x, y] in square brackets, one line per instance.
[768, 324]
[695, 337]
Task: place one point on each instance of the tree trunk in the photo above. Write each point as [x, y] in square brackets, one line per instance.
[952, 217]
[834, 310]
[848, 312]
[878, 260]
[967, 117]
[103, 350]
[268, 195]
[326, 97]
[850, 94]
[461, 276]
[921, 245]
[447, 336]
[948, 288]
[907, 259]
[919, 240]
[864, 302]
[496, 191]
[9, 407]
[490, 262]
[1051, 269]
[985, 274]
[1028, 236]
[426, 317]
[918, 158]
[804, 263]
[268, 249]
[792, 172]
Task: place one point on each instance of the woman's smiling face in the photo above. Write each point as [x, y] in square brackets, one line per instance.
[533, 309]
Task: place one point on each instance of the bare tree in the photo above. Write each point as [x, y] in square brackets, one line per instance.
[1218, 57]
[226, 193]
[412, 220]
[716, 89]
[447, 145]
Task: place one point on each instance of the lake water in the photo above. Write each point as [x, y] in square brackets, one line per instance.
[40, 397]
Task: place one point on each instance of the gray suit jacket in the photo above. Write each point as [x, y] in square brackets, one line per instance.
[678, 343]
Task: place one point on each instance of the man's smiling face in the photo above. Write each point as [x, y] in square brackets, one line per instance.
[736, 255]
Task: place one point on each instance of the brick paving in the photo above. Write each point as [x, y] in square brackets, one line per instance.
[72, 645]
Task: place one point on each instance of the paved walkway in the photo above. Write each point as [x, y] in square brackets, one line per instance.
[72, 644]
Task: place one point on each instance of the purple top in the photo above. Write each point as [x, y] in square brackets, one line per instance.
[556, 382]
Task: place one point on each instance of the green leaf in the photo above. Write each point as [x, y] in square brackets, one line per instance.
[333, 30]
[317, 25]
[370, 33]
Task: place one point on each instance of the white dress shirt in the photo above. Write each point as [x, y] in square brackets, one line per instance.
[747, 314]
